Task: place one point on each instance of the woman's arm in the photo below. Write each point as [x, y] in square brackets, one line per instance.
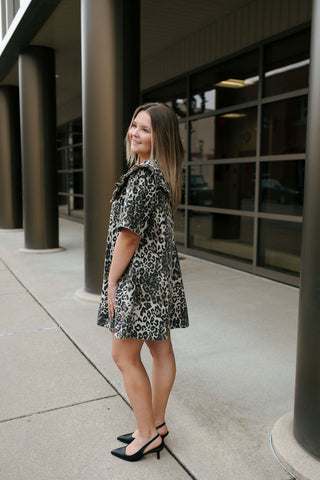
[124, 249]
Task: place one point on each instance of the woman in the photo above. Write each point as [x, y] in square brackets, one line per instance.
[142, 295]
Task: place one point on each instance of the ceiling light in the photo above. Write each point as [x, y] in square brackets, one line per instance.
[233, 83]
[233, 115]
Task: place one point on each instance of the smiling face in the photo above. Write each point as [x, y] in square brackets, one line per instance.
[140, 136]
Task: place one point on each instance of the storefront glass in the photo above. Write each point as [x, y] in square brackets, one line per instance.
[70, 169]
[243, 126]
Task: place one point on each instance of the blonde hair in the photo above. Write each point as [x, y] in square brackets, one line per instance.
[166, 146]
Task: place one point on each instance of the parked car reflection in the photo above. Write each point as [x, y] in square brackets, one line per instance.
[199, 191]
[273, 190]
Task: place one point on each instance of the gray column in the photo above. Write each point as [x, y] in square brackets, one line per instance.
[307, 394]
[10, 159]
[110, 92]
[38, 145]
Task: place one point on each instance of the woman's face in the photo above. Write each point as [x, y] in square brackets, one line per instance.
[140, 136]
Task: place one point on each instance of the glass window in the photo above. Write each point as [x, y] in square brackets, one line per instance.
[228, 185]
[226, 235]
[183, 191]
[284, 126]
[76, 131]
[63, 182]
[230, 83]
[63, 205]
[230, 135]
[76, 206]
[75, 157]
[179, 226]
[282, 187]
[62, 160]
[76, 182]
[62, 136]
[280, 245]
[286, 64]
[173, 94]
[184, 138]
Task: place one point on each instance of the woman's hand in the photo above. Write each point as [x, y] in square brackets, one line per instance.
[112, 287]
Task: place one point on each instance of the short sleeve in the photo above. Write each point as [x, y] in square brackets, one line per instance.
[139, 202]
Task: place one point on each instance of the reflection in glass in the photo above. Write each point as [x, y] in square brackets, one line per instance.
[230, 83]
[184, 138]
[63, 182]
[70, 168]
[223, 186]
[63, 205]
[76, 182]
[284, 126]
[179, 229]
[183, 191]
[287, 64]
[280, 245]
[62, 160]
[282, 187]
[173, 94]
[230, 135]
[226, 235]
[76, 206]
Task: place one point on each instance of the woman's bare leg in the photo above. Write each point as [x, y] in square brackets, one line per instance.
[126, 354]
[163, 376]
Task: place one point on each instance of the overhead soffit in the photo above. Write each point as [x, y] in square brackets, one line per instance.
[162, 24]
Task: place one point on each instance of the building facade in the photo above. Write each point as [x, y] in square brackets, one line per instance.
[237, 75]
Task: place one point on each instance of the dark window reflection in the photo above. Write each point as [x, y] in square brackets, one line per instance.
[223, 186]
[76, 205]
[284, 126]
[230, 83]
[183, 192]
[280, 246]
[226, 235]
[287, 64]
[179, 226]
[62, 135]
[70, 168]
[282, 187]
[62, 160]
[63, 182]
[62, 200]
[76, 182]
[173, 94]
[184, 138]
[230, 135]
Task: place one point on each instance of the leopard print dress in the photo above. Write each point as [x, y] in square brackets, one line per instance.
[150, 298]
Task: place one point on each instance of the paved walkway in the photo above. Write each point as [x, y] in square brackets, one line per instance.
[62, 401]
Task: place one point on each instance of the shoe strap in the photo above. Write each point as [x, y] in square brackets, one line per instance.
[152, 440]
[162, 425]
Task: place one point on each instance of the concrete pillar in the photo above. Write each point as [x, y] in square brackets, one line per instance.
[307, 394]
[10, 159]
[110, 33]
[38, 143]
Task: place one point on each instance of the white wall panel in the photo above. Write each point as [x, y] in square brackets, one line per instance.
[246, 26]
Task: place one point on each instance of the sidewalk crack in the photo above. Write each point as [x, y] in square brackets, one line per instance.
[57, 408]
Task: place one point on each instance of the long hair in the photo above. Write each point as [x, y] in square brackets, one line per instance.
[166, 146]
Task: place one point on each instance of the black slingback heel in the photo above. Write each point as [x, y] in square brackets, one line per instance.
[128, 438]
[121, 452]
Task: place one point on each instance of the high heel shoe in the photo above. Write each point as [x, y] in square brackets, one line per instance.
[121, 452]
[128, 438]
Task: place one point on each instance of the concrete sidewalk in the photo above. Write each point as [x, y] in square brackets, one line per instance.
[63, 402]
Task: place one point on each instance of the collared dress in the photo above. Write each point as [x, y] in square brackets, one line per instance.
[150, 298]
